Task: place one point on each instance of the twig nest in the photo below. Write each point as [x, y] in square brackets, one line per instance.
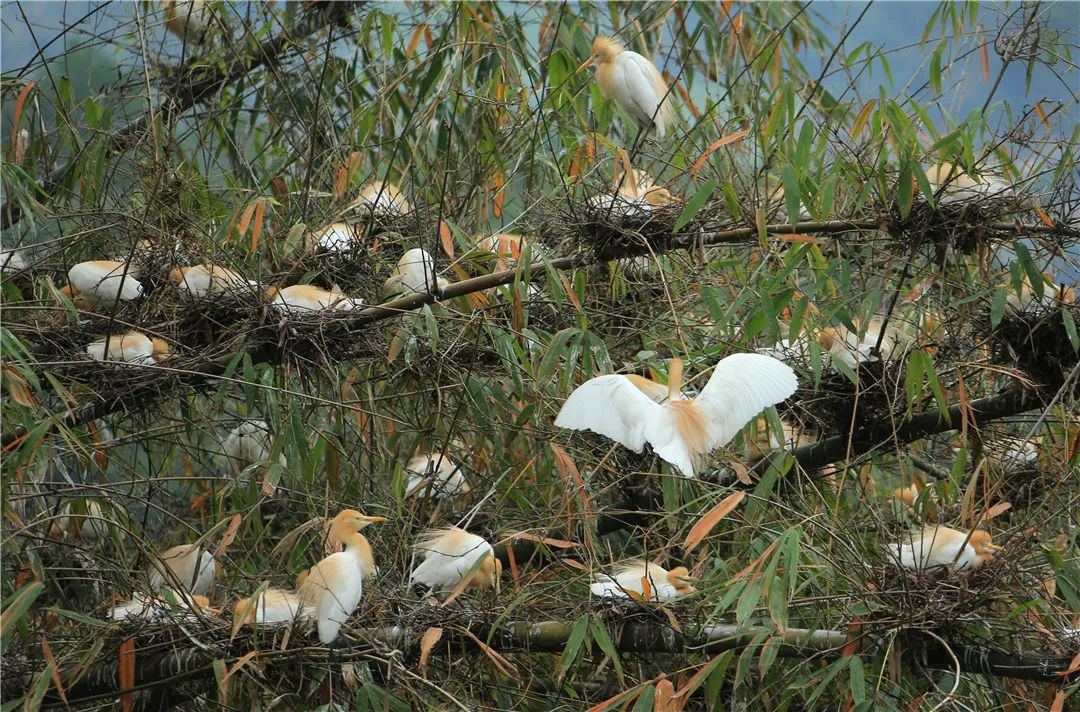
[336, 237]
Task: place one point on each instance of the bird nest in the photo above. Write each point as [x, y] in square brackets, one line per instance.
[964, 225]
[323, 339]
[838, 406]
[626, 230]
[1037, 341]
[359, 272]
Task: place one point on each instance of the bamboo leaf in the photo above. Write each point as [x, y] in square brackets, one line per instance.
[706, 524]
[15, 611]
[427, 642]
[718, 143]
[696, 202]
[862, 118]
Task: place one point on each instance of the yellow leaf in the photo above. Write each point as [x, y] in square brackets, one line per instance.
[245, 219]
[417, 34]
[498, 182]
[722, 141]
[427, 642]
[996, 510]
[1046, 219]
[711, 519]
[862, 118]
[19, 102]
[1042, 115]
[260, 209]
[50, 662]
[16, 386]
[985, 62]
[229, 535]
[446, 238]
[126, 670]
[557, 543]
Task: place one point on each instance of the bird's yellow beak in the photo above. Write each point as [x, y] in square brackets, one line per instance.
[371, 519]
[584, 64]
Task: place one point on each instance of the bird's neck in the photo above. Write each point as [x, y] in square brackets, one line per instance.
[358, 545]
[675, 378]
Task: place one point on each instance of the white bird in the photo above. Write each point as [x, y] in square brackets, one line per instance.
[102, 282]
[630, 579]
[383, 199]
[91, 526]
[249, 443]
[682, 431]
[12, 261]
[936, 547]
[633, 82]
[187, 565]
[449, 554]
[204, 280]
[272, 605]
[187, 19]
[1027, 302]
[305, 299]
[849, 347]
[961, 187]
[444, 475]
[414, 273]
[151, 607]
[338, 237]
[634, 193]
[332, 587]
[130, 347]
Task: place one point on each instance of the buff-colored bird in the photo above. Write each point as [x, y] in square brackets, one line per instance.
[1028, 302]
[682, 431]
[634, 83]
[129, 347]
[643, 581]
[101, 282]
[333, 587]
[937, 547]
[434, 475]
[454, 556]
[634, 192]
[189, 566]
[414, 273]
[272, 605]
[187, 19]
[338, 237]
[952, 185]
[381, 199]
[853, 348]
[302, 299]
[204, 280]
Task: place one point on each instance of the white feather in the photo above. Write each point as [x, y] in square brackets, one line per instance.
[937, 548]
[105, 282]
[448, 558]
[333, 590]
[180, 563]
[635, 90]
[446, 477]
[249, 443]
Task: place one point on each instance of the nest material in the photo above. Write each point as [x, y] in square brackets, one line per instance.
[866, 410]
[1037, 341]
[612, 234]
[959, 224]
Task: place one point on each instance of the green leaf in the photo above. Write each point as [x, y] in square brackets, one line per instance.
[33, 700]
[935, 68]
[573, 645]
[792, 197]
[924, 183]
[645, 700]
[1034, 274]
[857, 679]
[997, 308]
[16, 608]
[599, 634]
[1070, 329]
[904, 189]
[748, 601]
[696, 202]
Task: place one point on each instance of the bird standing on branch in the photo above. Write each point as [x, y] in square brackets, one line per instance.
[332, 587]
[101, 282]
[188, 19]
[453, 557]
[941, 547]
[634, 83]
[643, 580]
[434, 475]
[632, 410]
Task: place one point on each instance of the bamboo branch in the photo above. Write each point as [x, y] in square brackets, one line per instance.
[169, 667]
[191, 93]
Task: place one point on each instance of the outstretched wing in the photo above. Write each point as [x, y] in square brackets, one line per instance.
[610, 406]
[742, 386]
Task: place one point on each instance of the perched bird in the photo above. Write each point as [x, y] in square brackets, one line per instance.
[851, 348]
[272, 605]
[187, 565]
[101, 282]
[449, 555]
[952, 185]
[305, 298]
[643, 580]
[632, 410]
[90, 527]
[187, 19]
[151, 607]
[130, 347]
[634, 83]
[204, 280]
[437, 470]
[249, 443]
[940, 547]
[333, 587]
[415, 272]
[634, 191]
[506, 247]
[381, 199]
[338, 237]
